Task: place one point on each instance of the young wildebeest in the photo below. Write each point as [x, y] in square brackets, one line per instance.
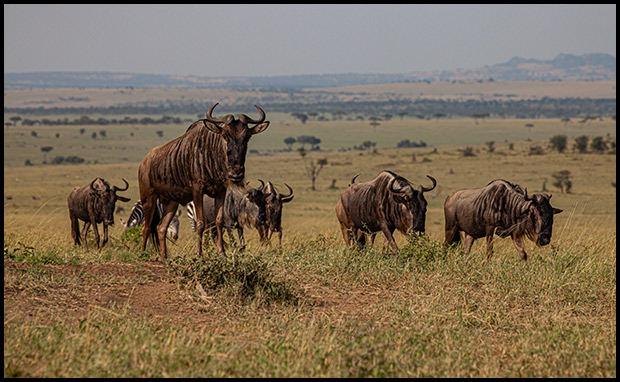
[93, 204]
[207, 159]
[241, 209]
[275, 202]
[500, 208]
[136, 217]
[386, 203]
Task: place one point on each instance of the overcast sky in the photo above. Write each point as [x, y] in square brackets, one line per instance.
[268, 40]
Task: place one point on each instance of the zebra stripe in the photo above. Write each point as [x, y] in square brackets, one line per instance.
[136, 217]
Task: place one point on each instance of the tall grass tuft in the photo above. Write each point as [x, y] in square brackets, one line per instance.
[244, 277]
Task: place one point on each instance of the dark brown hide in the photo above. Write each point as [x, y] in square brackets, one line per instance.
[93, 204]
[500, 208]
[275, 202]
[207, 159]
[386, 203]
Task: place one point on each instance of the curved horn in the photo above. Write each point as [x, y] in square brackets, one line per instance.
[391, 187]
[286, 198]
[270, 188]
[92, 185]
[527, 197]
[210, 118]
[262, 185]
[353, 180]
[122, 189]
[245, 119]
[424, 189]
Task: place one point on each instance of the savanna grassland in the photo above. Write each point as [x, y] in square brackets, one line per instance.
[314, 308]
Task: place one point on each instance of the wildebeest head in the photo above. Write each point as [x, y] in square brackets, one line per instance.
[411, 199]
[275, 201]
[259, 198]
[106, 198]
[236, 133]
[541, 214]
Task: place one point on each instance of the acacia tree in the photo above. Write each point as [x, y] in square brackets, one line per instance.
[313, 169]
[558, 142]
[45, 150]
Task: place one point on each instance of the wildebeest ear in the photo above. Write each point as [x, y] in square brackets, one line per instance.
[260, 127]
[557, 211]
[122, 198]
[213, 127]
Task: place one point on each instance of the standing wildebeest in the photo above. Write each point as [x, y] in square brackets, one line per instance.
[500, 208]
[241, 209]
[207, 159]
[93, 204]
[275, 202]
[376, 205]
[136, 217]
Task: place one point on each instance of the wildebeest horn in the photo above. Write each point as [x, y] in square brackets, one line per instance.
[245, 119]
[122, 189]
[353, 179]
[92, 184]
[391, 187]
[262, 185]
[424, 189]
[527, 197]
[225, 119]
[286, 198]
[270, 188]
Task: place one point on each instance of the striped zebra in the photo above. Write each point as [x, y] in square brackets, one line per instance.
[136, 217]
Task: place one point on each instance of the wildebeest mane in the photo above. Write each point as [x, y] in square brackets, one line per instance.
[179, 161]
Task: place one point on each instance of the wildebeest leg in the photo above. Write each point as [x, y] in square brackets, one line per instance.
[373, 236]
[170, 208]
[75, 228]
[452, 235]
[390, 238]
[241, 238]
[105, 234]
[148, 208]
[84, 233]
[519, 246]
[346, 234]
[218, 204]
[469, 240]
[96, 231]
[489, 245]
[200, 219]
[280, 237]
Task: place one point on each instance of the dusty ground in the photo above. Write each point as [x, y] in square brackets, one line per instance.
[146, 290]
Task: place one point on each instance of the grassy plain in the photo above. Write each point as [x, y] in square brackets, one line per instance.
[314, 308]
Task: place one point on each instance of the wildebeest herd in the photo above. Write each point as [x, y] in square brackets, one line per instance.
[204, 170]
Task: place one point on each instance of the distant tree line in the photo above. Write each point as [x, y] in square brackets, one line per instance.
[424, 108]
[86, 120]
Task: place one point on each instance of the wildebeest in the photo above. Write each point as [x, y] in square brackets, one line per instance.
[241, 209]
[275, 202]
[93, 204]
[207, 159]
[136, 217]
[386, 203]
[500, 208]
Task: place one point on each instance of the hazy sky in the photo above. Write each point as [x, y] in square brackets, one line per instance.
[268, 40]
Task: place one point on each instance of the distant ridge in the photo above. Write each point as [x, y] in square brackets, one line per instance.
[564, 67]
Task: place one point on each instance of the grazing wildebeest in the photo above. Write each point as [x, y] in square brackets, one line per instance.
[93, 204]
[377, 205]
[136, 217]
[241, 209]
[275, 202]
[207, 159]
[500, 208]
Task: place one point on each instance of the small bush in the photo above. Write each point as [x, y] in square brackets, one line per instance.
[245, 278]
